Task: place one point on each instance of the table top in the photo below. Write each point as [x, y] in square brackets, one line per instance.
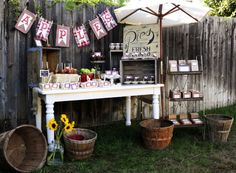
[113, 88]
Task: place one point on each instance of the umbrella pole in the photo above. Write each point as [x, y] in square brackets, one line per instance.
[162, 62]
[162, 71]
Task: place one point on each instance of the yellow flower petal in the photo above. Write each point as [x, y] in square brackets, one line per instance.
[52, 124]
[64, 119]
[73, 124]
[68, 127]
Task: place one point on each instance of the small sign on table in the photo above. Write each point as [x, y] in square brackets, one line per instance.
[44, 73]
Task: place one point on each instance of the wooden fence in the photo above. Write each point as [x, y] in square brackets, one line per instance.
[214, 39]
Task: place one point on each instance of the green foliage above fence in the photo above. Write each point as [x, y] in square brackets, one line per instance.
[72, 4]
[225, 8]
[15, 7]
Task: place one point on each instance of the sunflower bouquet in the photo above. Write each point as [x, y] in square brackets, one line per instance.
[56, 150]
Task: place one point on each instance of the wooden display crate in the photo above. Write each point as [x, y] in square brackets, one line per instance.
[140, 68]
[37, 58]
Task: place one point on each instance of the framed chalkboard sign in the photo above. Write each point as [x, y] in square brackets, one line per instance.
[44, 73]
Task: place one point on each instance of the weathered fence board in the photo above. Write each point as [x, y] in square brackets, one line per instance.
[3, 70]
[214, 39]
[219, 71]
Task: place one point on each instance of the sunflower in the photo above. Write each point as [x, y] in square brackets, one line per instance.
[64, 119]
[69, 127]
[73, 124]
[52, 124]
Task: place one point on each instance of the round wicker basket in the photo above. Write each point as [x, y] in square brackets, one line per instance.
[219, 127]
[80, 149]
[23, 149]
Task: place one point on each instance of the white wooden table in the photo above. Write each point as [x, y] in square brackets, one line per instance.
[52, 96]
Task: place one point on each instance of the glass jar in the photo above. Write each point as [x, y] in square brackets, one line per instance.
[112, 46]
[55, 153]
[98, 73]
[128, 79]
[117, 46]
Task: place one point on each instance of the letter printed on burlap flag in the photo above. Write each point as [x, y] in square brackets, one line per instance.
[81, 36]
[108, 20]
[25, 21]
[97, 28]
[63, 36]
[43, 29]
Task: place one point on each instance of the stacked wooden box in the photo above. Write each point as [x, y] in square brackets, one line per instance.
[140, 68]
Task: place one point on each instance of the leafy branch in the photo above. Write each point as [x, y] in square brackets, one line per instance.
[15, 7]
[74, 4]
[225, 8]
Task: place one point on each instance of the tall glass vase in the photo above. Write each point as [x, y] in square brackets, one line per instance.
[55, 154]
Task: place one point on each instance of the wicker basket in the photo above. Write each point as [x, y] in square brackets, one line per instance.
[219, 127]
[80, 149]
[157, 134]
[62, 78]
[23, 149]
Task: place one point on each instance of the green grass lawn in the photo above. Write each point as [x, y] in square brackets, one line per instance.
[119, 149]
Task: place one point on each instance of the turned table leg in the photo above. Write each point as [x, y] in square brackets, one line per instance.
[49, 116]
[128, 111]
[155, 105]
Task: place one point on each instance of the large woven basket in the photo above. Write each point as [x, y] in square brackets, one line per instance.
[156, 134]
[219, 127]
[80, 149]
[23, 149]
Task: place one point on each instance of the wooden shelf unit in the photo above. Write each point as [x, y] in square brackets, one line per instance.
[186, 99]
[115, 56]
[181, 81]
[38, 58]
[186, 73]
[189, 125]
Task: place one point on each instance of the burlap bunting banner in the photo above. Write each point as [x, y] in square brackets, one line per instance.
[108, 20]
[63, 36]
[43, 29]
[97, 28]
[25, 21]
[81, 36]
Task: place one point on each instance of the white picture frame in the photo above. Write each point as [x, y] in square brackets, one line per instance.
[184, 68]
[173, 66]
[38, 43]
[193, 65]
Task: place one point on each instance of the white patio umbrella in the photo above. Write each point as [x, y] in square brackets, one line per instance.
[167, 12]
[170, 12]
